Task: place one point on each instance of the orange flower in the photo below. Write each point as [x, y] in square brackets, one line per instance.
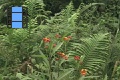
[83, 72]
[57, 36]
[65, 57]
[62, 54]
[56, 59]
[66, 38]
[54, 45]
[59, 53]
[46, 40]
[77, 57]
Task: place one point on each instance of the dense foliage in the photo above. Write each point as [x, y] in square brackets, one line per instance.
[65, 40]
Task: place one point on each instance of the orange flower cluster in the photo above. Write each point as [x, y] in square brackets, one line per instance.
[57, 36]
[62, 55]
[46, 40]
[77, 57]
[83, 72]
[67, 38]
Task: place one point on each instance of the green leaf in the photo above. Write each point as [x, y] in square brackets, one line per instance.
[88, 77]
[81, 78]
[1, 77]
[56, 48]
[96, 52]
[19, 75]
[90, 5]
[26, 78]
[105, 77]
[65, 74]
[43, 56]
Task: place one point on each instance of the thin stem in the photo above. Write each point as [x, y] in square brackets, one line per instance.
[58, 67]
[65, 47]
[50, 73]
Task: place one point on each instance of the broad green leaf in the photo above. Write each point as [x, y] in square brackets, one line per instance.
[65, 74]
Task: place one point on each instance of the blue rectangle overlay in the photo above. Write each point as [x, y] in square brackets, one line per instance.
[16, 24]
[16, 16]
[16, 9]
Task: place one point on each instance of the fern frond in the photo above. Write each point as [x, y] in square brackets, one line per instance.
[95, 50]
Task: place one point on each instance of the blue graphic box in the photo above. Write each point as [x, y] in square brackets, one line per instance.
[16, 17]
